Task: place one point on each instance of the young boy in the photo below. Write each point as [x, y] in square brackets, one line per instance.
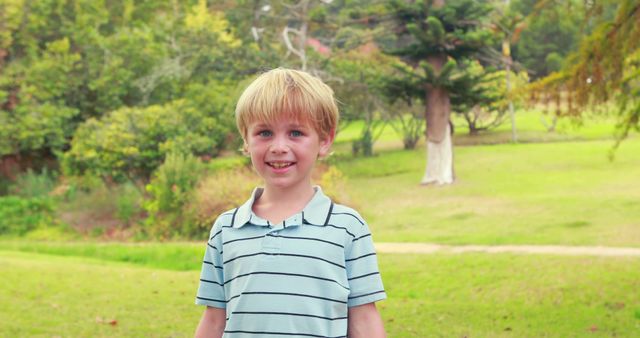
[289, 262]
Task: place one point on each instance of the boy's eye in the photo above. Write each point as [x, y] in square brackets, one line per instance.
[296, 133]
[264, 133]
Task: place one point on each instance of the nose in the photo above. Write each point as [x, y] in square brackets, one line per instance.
[279, 145]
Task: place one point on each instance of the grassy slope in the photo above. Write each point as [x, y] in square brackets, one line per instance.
[551, 193]
[431, 295]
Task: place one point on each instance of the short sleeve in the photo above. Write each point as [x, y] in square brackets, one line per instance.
[211, 287]
[365, 283]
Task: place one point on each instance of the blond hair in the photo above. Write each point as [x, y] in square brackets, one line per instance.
[287, 93]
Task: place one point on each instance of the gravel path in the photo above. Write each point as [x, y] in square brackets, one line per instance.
[426, 248]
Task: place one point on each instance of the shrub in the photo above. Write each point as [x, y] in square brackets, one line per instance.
[128, 203]
[333, 182]
[21, 215]
[31, 184]
[132, 143]
[217, 193]
[170, 189]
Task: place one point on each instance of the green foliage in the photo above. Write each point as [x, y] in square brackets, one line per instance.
[551, 33]
[133, 142]
[170, 189]
[454, 29]
[605, 68]
[31, 184]
[63, 63]
[128, 203]
[436, 44]
[361, 93]
[21, 215]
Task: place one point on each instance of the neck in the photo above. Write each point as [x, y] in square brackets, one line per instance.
[293, 197]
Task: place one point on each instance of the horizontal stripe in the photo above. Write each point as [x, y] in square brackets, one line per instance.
[367, 294]
[210, 281]
[362, 276]
[242, 239]
[285, 274]
[283, 254]
[280, 333]
[216, 234]
[284, 314]
[213, 300]
[309, 239]
[363, 256]
[361, 237]
[213, 247]
[210, 263]
[352, 215]
[285, 294]
[343, 228]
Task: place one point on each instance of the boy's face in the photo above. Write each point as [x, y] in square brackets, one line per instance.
[284, 152]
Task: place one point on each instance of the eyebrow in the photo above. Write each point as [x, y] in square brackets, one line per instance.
[290, 125]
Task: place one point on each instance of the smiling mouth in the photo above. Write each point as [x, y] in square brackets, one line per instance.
[280, 165]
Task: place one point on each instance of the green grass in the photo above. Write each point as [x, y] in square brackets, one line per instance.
[474, 295]
[173, 256]
[552, 193]
[528, 125]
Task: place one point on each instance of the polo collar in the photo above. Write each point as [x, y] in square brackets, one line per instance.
[316, 212]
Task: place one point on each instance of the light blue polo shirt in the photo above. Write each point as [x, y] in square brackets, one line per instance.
[296, 278]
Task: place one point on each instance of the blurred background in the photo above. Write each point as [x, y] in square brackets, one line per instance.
[466, 126]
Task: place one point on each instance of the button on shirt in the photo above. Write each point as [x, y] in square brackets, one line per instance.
[295, 278]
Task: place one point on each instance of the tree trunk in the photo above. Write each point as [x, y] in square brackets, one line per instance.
[439, 161]
[439, 146]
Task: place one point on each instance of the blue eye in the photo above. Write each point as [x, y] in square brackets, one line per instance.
[296, 133]
[264, 133]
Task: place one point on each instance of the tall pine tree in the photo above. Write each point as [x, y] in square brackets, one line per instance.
[434, 40]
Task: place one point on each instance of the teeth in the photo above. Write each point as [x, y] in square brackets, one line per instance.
[279, 165]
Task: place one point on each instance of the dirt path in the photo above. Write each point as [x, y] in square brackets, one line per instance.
[426, 248]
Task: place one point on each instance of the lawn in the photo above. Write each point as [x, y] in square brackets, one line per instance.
[529, 128]
[546, 193]
[473, 295]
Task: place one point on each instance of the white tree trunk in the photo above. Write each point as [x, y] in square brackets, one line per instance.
[439, 161]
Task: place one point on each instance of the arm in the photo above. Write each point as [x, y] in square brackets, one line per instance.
[212, 323]
[365, 322]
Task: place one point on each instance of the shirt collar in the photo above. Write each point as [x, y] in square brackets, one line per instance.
[316, 212]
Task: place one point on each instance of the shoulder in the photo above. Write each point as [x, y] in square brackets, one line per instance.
[343, 215]
[224, 220]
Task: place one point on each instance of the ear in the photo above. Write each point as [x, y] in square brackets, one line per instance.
[245, 148]
[326, 142]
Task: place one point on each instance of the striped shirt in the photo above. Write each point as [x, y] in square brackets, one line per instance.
[293, 279]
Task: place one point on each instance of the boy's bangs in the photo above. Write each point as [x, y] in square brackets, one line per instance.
[290, 95]
[289, 104]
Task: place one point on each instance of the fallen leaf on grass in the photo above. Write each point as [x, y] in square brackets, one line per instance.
[112, 322]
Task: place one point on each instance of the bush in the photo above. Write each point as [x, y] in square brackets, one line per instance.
[31, 184]
[128, 203]
[132, 143]
[217, 193]
[333, 182]
[21, 215]
[170, 190]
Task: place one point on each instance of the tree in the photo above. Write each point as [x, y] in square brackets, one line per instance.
[551, 32]
[606, 68]
[433, 40]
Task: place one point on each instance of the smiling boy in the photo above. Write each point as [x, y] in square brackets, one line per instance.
[289, 262]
